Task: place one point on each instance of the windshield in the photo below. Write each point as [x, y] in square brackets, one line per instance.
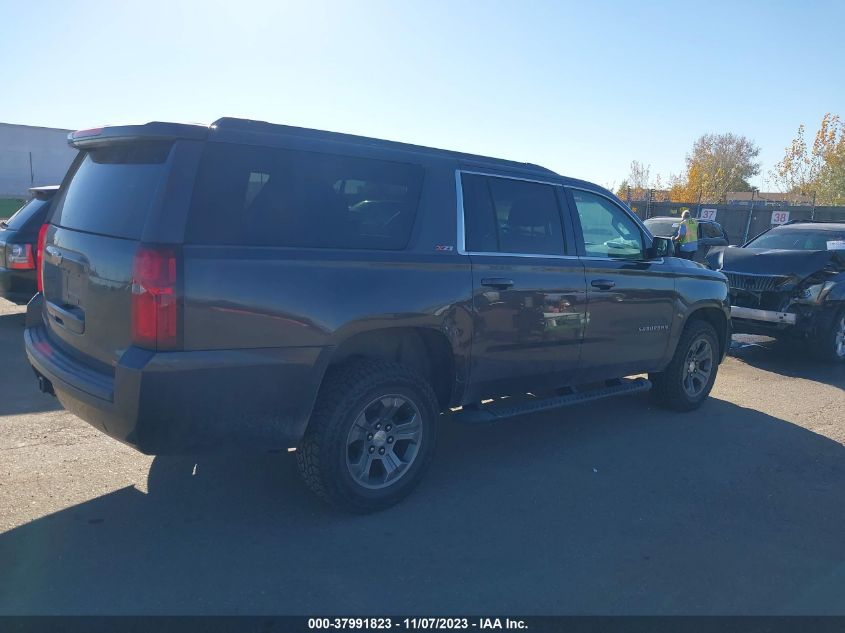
[800, 240]
[30, 210]
[662, 227]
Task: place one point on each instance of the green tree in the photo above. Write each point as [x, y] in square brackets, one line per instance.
[818, 170]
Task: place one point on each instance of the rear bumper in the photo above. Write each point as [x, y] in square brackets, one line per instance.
[185, 402]
[17, 285]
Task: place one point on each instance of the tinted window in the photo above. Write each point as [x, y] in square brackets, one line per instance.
[511, 216]
[35, 210]
[247, 195]
[667, 227]
[113, 188]
[710, 230]
[608, 230]
[481, 235]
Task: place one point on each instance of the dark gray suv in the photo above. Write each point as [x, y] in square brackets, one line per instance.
[257, 285]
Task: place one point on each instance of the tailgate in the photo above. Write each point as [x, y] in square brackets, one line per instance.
[96, 227]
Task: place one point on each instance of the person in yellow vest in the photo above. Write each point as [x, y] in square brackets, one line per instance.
[687, 236]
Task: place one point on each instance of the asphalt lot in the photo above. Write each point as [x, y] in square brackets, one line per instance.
[614, 508]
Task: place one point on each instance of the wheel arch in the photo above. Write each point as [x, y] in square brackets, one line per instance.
[716, 317]
[426, 350]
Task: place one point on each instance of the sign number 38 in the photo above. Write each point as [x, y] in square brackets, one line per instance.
[780, 217]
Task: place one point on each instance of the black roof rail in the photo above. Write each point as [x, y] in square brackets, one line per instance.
[263, 127]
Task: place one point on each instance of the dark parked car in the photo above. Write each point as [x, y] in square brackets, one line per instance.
[249, 284]
[710, 233]
[18, 246]
[789, 282]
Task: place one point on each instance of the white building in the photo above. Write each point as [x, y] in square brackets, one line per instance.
[32, 156]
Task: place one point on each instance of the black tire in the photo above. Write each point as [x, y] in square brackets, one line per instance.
[347, 392]
[828, 345]
[668, 386]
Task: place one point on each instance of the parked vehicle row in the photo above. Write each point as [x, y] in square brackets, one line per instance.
[18, 246]
[710, 233]
[257, 285]
[789, 282]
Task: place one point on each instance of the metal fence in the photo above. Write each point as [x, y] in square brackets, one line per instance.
[741, 222]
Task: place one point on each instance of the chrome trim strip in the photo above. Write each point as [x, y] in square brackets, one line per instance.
[769, 316]
[531, 255]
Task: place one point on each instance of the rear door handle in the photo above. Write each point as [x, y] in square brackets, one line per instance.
[602, 284]
[497, 282]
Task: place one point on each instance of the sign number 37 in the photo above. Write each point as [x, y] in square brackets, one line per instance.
[780, 217]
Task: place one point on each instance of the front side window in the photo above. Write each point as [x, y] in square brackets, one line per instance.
[608, 230]
[261, 196]
[511, 216]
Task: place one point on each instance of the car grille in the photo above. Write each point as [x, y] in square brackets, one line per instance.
[756, 283]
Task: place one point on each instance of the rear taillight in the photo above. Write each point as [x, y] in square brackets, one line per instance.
[19, 257]
[155, 302]
[39, 257]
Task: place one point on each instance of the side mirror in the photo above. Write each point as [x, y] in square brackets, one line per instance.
[662, 247]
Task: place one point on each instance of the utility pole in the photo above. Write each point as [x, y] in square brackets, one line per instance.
[750, 215]
[31, 172]
[813, 212]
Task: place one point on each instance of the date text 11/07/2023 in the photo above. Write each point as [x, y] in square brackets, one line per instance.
[433, 624]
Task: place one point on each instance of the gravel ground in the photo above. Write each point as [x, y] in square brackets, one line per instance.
[613, 508]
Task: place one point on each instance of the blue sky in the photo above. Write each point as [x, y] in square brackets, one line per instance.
[580, 87]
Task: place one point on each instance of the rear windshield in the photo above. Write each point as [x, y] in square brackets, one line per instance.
[113, 188]
[34, 211]
[247, 195]
[663, 228]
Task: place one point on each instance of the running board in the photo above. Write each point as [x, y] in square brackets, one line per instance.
[505, 408]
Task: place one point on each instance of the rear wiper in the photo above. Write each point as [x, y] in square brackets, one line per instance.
[3, 224]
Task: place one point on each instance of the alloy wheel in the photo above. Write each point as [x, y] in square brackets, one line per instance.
[384, 441]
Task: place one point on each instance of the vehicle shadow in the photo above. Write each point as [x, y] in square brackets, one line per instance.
[788, 358]
[614, 508]
[18, 387]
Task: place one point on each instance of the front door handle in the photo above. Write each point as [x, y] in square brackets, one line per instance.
[602, 284]
[497, 282]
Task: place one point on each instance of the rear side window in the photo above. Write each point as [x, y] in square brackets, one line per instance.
[33, 211]
[247, 195]
[511, 216]
[113, 189]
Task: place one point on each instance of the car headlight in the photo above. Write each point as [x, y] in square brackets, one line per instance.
[815, 293]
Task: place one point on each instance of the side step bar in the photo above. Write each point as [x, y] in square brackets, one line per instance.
[506, 408]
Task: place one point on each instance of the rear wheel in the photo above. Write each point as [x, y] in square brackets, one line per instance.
[688, 379]
[371, 436]
[830, 346]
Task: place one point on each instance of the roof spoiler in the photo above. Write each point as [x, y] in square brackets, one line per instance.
[154, 131]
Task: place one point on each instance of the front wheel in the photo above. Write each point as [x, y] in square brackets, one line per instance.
[830, 346]
[371, 436]
[688, 379]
